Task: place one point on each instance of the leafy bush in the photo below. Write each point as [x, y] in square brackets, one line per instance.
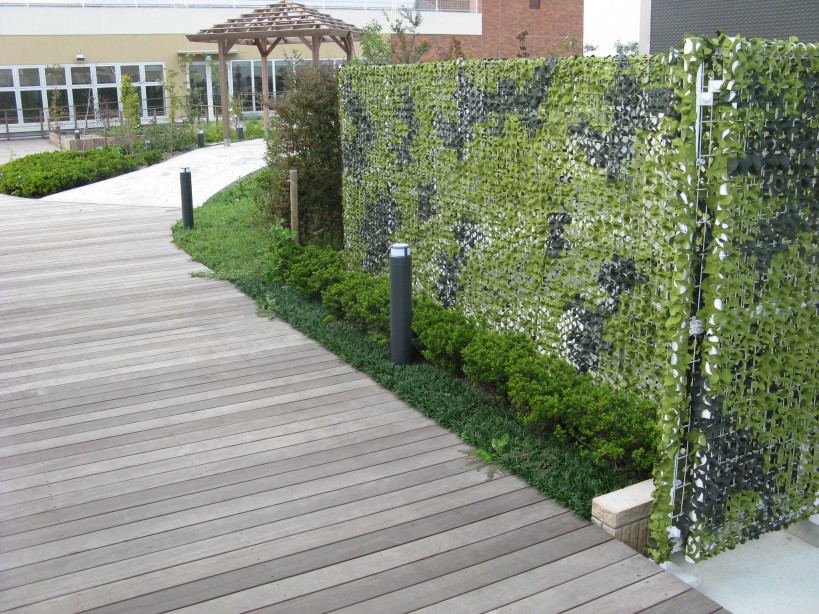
[55, 171]
[441, 334]
[304, 135]
[491, 357]
[611, 427]
[170, 137]
[361, 299]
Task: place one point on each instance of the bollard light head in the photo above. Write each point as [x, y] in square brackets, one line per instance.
[185, 169]
[399, 250]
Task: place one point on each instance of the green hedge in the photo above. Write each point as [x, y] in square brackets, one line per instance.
[55, 171]
[546, 394]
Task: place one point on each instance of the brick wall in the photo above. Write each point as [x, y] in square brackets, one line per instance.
[551, 29]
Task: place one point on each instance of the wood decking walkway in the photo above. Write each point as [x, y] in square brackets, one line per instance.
[162, 448]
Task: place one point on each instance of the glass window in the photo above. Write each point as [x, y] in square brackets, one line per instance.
[80, 75]
[243, 84]
[29, 77]
[107, 101]
[284, 71]
[55, 75]
[197, 84]
[106, 74]
[83, 103]
[32, 103]
[130, 71]
[155, 99]
[6, 77]
[154, 72]
[257, 78]
[8, 108]
[58, 105]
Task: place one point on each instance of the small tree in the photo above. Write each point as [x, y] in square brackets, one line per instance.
[130, 105]
[375, 47]
[304, 135]
[405, 27]
[455, 51]
[523, 50]
[632, 48]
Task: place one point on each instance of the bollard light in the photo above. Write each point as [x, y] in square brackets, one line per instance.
[240, 132]
[77, 134]
[187, 197]
[200, 138]
[147, 145]
[400, 303]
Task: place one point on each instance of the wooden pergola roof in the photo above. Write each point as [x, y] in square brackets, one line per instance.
[283, 23]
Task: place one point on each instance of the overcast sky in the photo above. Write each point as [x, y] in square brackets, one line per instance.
[605, 21]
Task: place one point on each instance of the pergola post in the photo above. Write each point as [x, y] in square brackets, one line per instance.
[264, 52]
[224, 47]
[316, 47]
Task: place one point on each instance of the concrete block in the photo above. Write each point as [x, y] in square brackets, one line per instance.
[625, 505]
[807, 530]
[624, 513]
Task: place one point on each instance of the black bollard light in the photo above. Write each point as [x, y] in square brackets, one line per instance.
[77, 134]
[240, 132]
[187, 197]
[400, 303]
[147, 145]
[200, 138]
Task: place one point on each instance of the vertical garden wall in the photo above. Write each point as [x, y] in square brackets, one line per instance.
[747, 461]
[591, 204]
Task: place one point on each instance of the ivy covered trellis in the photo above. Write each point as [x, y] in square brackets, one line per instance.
[657, 243]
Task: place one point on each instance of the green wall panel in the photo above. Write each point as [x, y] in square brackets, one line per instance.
[569, 199]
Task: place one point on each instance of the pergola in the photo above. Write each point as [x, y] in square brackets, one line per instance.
[283, 23]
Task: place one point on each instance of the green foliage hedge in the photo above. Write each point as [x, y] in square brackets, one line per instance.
[55, 171]
[546, 394]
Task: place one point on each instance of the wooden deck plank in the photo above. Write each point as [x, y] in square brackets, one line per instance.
[589, 586]
[193, 434]
[390, 570]
[643, 594]
[690, 602]
[163, 447]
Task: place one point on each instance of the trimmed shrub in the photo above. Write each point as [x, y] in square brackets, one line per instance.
[50, 172]
[441, 334]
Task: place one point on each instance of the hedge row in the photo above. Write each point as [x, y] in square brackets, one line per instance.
[55, 171]
[544, 393]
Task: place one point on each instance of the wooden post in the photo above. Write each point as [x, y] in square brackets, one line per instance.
[223, 90]
[265, 94]
[316, 47]
[294, 204]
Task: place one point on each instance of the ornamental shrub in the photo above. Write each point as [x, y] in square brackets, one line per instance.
[490, 357]
[50, 172]
[362, 299]
[441, 334]
[304, 135]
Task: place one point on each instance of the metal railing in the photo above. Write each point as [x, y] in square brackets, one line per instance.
[454, 6]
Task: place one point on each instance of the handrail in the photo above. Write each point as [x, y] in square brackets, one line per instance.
[453, 6]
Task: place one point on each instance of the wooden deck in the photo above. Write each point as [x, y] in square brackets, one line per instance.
[164, 448]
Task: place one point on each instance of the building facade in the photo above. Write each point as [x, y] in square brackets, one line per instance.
[62, 61]
[664, 23]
